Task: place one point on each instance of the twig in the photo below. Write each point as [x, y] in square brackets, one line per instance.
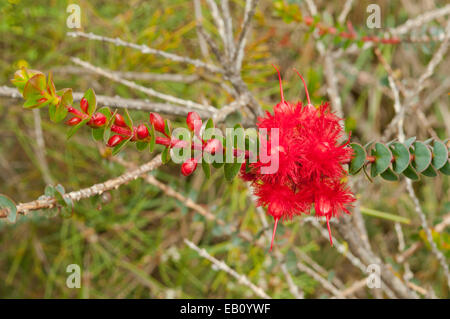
[219, 22]
[332, 88]
[242, 279]
[199, 19]
[325, 283]
[250, 6]
[345, 11]
[39, 147]
[420, 20]
[120, 102]
[437, 253]
[228, 27]
[140, 76]
[147, 50]
[141, 88]
[97, 189]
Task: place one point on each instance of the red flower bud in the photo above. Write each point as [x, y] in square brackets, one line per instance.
[309, 21]
[188, 167]
[212, 146]
[84, 105]
[73, 121]
[119, 121]
[193, 121]
[142, 132]
[97, 120]
[114, 140]
[157, 121]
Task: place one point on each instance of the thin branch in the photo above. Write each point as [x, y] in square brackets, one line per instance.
[242, 279]
[250, 6]
[332, 86]
[294, 289]
[147, 50]
[345, 11]
[198, 20]
[220, 23]
[140, 76]
[97, 189]
[120, 102]
[225, 5]
[325, 283]
[39, 147]
[421, 20]
[148, 91]
[435, 250]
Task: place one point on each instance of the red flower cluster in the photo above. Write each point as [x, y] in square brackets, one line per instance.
[310, 169]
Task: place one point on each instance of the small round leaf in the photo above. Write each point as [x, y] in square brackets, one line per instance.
[422, 156]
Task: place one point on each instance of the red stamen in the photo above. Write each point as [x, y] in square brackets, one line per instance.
[306, 88]
[274, 231]
[329, 230]
[281, 86]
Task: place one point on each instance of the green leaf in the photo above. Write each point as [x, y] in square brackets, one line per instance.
[141, 145]
[383, 158]
[206, 169]
[389, 175]
[21, 78]
[35, 85]
[168, 127]
[359, 157]
[9, 207]
[165, 155]
[440, 155]
[209, 124]
[151, 130]
[109, 123]
[409, 141]
[446, 168]
[120, 146]
[97, 133]
[217, 165]
[57, 112]
[127, 119]
[50, 85]
[231, 170]
[75, 128]
[383, 215]
[89, 95]
[66, 97]
[33, 102]
[411, 173]
[430, 172]
[422, 156]
[401, 157]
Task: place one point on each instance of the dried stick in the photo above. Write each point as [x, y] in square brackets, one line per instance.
[250, 6]
[140, 76]
[435, 250]
[141, 88]
[242, 279]
[420, 20]
[97, 189]
[345, 11]
[325, 283]
[119, 102]
[39, 147]
[147, 50]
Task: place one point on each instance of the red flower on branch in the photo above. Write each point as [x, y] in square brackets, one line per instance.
[311, 159]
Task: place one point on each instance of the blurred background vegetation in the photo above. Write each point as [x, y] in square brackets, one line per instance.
[129, 242]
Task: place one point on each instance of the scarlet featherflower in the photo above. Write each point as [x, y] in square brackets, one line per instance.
[310, 162]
